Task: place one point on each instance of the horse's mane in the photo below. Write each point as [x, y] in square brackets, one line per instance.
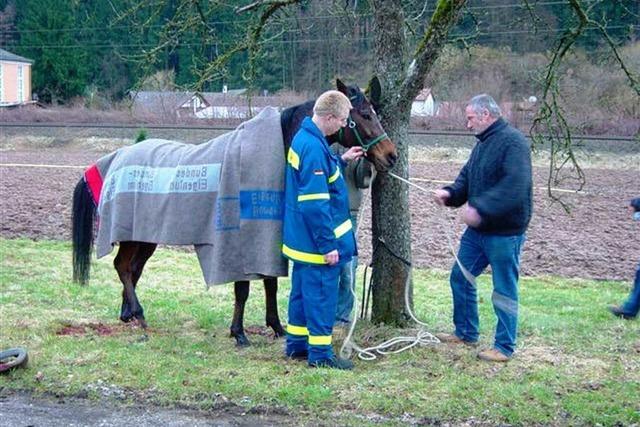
[290, 121]
[292, 117]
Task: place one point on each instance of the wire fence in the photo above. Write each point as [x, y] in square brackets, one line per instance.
[226, 128]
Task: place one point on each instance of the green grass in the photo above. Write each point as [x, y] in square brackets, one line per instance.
[576, 364]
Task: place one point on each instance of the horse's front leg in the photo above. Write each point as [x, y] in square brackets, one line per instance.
[271, 300]
[241, 291]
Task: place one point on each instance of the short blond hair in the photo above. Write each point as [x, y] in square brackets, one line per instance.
[331, 102]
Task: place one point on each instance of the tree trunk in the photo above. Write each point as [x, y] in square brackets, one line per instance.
[391, 232]
[401, 83]
[391, 228]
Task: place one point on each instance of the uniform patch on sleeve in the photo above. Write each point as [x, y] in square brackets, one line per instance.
[318, 172]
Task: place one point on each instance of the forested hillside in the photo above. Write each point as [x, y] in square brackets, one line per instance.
[101, 49]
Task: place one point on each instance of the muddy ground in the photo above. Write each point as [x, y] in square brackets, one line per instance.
[23, 409]
[596, 240]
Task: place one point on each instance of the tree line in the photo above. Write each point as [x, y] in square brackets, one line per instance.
[95, 48]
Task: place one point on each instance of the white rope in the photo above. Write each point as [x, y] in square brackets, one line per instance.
[394, 345]
[470, 277]
[437, 181]
[31, 165]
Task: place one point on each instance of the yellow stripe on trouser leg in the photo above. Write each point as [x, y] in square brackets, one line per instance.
[297, 330]
[320, 340]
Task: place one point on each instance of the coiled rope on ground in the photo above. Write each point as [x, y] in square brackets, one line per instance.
[401, 343]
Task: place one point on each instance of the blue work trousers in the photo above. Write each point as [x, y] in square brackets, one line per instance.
[477, 251]
[312, 310]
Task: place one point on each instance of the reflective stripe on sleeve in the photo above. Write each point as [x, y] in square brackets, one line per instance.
[314, 196]
[335, 176]
[343, 228]
[293, 159]
[303, 256]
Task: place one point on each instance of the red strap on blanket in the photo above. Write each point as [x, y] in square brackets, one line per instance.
[94, 180]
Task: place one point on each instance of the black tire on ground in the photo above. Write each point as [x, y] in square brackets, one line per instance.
[13, 358]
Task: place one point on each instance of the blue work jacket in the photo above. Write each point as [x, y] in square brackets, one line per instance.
[316, 215]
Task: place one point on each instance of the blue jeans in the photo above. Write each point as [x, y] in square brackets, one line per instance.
[632, 305]
[477, 251]
[345, 296]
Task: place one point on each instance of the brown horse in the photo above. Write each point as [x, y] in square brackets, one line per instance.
[364, 129]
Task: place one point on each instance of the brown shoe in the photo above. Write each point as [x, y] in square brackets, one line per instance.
[493, 355]
[454, 339]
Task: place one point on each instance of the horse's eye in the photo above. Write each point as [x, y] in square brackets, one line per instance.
[366, 116]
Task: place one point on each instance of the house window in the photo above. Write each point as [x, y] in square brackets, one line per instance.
[20, 84]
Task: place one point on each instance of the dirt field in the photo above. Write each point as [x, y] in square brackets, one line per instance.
[597, 240]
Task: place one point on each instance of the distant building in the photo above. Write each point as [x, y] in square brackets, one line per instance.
[232, 104]
[424, 104]
[168, 103]
[15, 79]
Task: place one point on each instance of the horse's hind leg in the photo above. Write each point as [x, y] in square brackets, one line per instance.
[241, 291]
[271, 300]
[129, 264]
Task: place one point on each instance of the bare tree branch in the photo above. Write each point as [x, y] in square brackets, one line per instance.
[429, 48]
[273, 4]
[550, 119]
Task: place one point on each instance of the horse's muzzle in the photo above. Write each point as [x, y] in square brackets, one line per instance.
[384, 156]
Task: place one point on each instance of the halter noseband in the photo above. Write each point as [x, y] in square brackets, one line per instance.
[363, 142]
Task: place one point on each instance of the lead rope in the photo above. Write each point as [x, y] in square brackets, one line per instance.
[470, 277]
[400, 343]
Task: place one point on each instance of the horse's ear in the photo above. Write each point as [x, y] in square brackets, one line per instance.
[342, 87]
[374, 90]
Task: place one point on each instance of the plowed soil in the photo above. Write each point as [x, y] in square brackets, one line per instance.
[596, 240]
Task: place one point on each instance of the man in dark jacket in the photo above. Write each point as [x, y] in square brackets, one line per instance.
[496, 185]
[630, 308]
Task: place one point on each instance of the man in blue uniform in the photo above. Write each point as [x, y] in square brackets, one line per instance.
[318, 232]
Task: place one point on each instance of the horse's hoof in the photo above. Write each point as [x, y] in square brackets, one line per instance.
[142, 323]
[279, 332]
[242, 341]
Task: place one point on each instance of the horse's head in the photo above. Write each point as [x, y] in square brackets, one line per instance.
[364, 127]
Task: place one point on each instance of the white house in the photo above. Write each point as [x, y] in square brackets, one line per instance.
[423, 105]
[169, 104]
[15, 79]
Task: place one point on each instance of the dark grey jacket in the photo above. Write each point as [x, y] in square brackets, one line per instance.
[496, 180]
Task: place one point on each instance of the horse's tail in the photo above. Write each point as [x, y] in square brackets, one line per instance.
[82, 219]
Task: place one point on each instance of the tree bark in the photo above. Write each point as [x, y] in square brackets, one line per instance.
[391, 222]
[391, 227]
